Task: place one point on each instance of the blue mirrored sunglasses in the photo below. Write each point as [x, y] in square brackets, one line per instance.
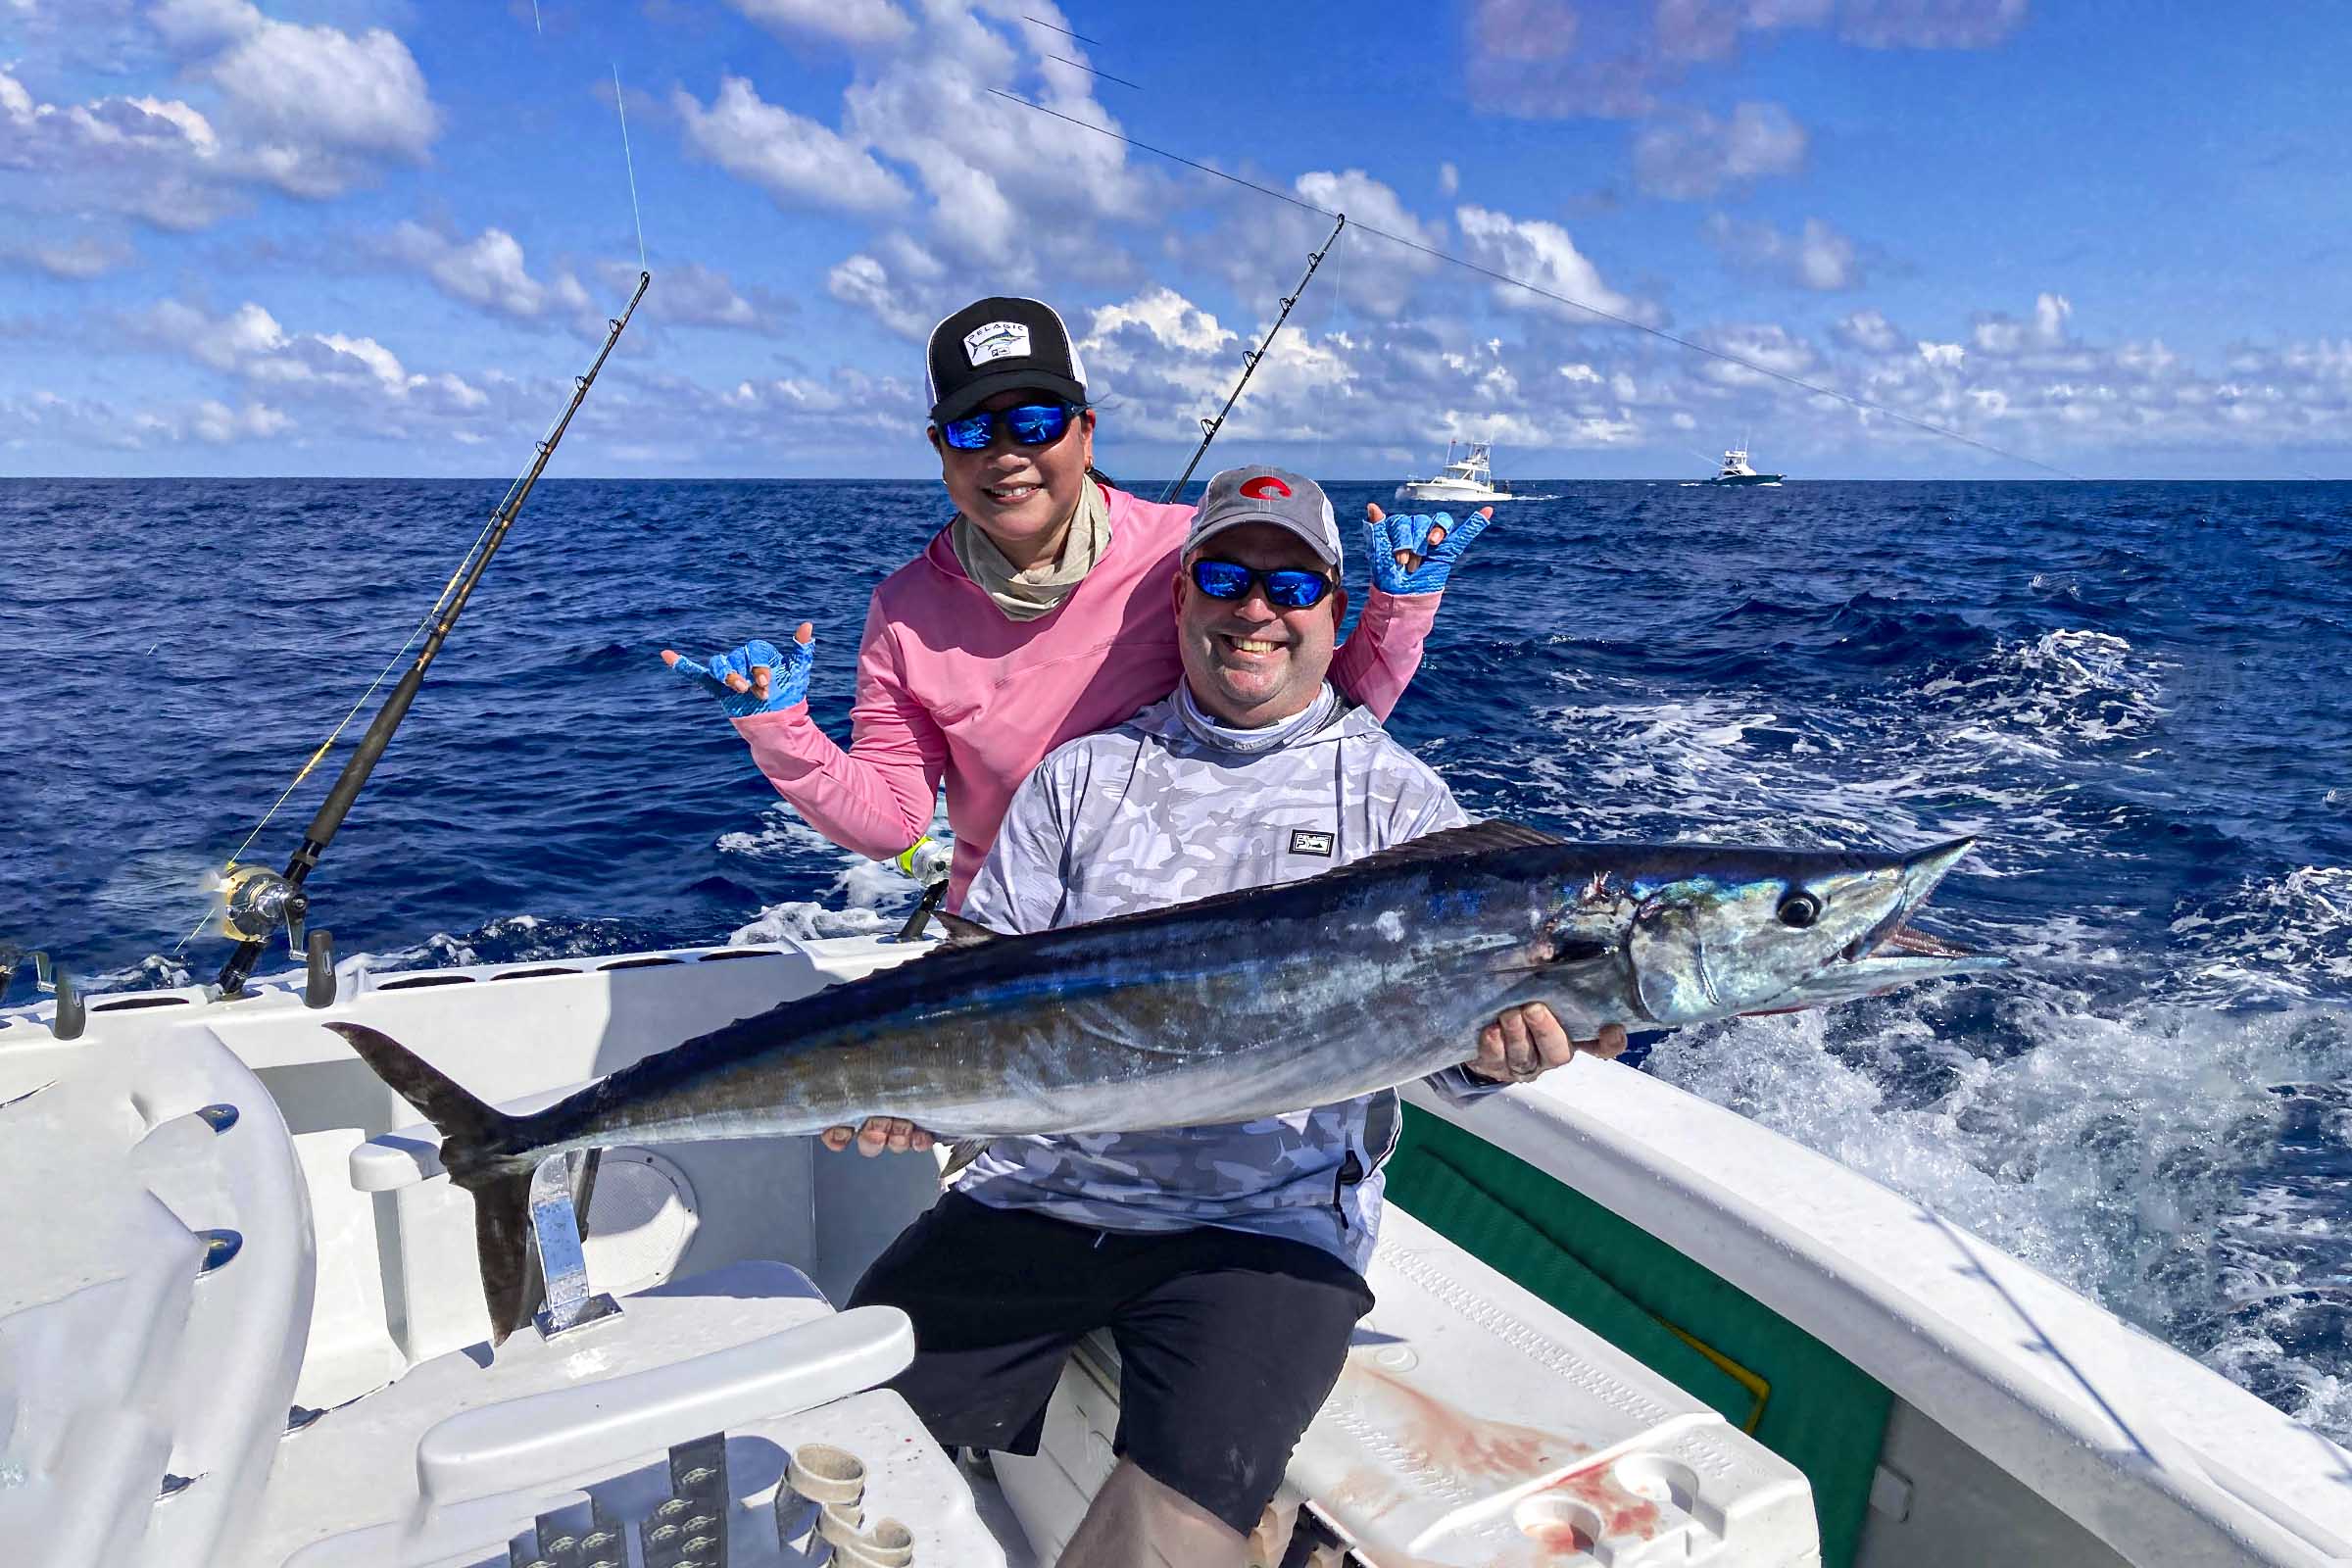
[1289, 588]
[1033, 424]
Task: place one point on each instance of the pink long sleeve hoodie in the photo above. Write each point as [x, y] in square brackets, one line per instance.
[947, 686]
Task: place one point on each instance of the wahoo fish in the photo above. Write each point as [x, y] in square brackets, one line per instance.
[1239, 1006]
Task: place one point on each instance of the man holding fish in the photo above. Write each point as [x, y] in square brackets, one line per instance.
[1237, 919]
[1187, 1243]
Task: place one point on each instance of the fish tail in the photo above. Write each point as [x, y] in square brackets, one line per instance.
[483, 1148]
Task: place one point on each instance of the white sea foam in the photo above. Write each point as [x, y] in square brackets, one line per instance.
[2285, 939]
[2113, 1154]
[865, 896]
[2086, 1113]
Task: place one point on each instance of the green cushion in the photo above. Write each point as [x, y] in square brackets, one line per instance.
[1823, 1414]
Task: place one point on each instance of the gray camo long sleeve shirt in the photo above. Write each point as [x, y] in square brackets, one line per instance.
[1152, 814]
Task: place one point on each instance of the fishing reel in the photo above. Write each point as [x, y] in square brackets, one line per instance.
[254, 902]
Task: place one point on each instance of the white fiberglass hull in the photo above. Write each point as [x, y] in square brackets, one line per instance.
[1468, 495]
[2016, 1400]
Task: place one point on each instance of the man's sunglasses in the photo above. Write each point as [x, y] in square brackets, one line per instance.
[1289, 588]
[1033, 424]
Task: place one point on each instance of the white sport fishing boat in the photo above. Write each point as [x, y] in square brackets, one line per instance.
[1736, 469]
[241, 1324]
[1467, 481]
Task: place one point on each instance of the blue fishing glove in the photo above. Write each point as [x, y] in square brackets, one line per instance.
[1392, 534]
[787, 676]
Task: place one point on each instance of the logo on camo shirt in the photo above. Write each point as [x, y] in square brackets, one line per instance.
[1311, 840]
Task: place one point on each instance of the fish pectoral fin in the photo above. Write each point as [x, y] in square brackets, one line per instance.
[963, 933]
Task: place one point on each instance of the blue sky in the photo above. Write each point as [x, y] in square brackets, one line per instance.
[366, 236]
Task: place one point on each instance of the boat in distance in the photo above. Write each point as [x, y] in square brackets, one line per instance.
[1465, 482]
[1736, 469]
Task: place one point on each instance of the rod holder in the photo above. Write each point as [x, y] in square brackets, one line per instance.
[319, 969]
[72, 1016]
[557, 1228]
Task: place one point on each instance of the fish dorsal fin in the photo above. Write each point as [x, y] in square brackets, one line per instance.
[963, 933]
[1453, 843]
[1446, 844]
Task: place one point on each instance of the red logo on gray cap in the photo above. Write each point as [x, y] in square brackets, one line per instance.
[1264, 485]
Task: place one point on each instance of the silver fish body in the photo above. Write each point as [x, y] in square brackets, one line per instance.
[1236, 1007]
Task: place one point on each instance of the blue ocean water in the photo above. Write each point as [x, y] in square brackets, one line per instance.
[2134, 693]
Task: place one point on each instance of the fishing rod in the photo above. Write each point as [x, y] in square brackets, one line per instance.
[258, 899]
[1210, 428]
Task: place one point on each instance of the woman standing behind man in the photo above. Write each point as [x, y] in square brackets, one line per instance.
[1043, 611]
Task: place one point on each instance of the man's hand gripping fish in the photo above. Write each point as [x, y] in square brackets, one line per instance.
[1236, 1006]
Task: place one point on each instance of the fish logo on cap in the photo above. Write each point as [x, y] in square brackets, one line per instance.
[1264, 486]
[996, 340]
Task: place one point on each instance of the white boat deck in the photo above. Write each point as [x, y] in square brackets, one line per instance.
[2030, 1424]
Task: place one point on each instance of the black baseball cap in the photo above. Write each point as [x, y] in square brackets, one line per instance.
[996, 345]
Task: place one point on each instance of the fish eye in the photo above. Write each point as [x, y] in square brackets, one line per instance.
[1799, 909]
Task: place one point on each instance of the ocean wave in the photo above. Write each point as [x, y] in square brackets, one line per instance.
[863, 897]
[2269, 940]
[1730, 766]
[2146, 1159]
[2068, 687]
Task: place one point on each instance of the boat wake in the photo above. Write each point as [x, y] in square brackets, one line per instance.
[2150, 1108]
[2183, 1167]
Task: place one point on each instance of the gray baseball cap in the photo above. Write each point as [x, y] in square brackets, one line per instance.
[1277, 496]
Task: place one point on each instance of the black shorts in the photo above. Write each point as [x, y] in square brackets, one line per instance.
[1227, 1342]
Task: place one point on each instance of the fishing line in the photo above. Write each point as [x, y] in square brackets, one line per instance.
[632, 163]
[1064, 31]
[316, 757]
[1305, 336]
[1537, 290]
[1091, 71]
[423, 623]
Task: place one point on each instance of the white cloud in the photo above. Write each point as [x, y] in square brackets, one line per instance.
[695, 295]
[202, 25]
[1007, 188]
[1543, 253]
[1767, 346]
[105, 131]
[1166, 316]
[216, 422]
[45, 423]
[852, 21]
[1161, 360]
[250, 344]
[1554, 58]
[864, 282]
[487, 271]
[310, 109]
[1929, 23]
[1941, 356]
[76, 260]
[1869, 332]
[1548, 58]
[312, 95]
[1698, 154]
[1816, 257]
[793, 159]
[1996, 333]
[1449, 179]
[1008, 185]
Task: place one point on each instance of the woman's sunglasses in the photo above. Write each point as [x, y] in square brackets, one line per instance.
[1289, 588]
[1033, 424]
